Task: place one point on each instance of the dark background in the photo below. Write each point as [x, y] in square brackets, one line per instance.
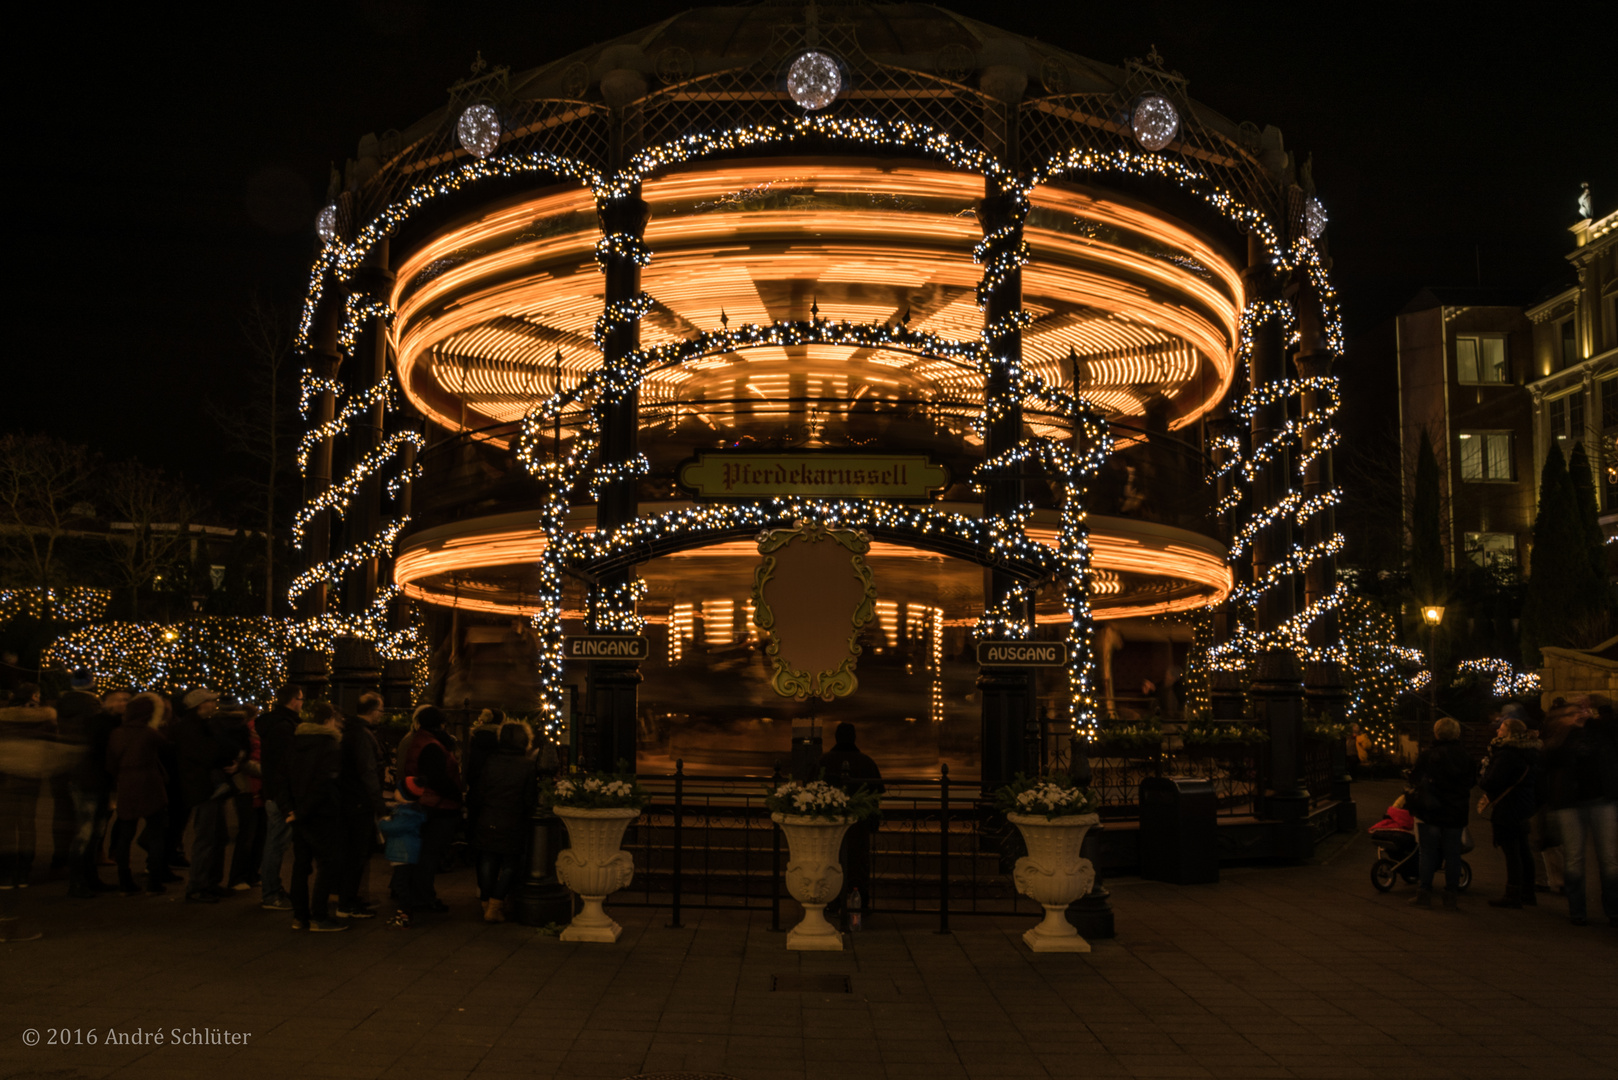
[167, 166]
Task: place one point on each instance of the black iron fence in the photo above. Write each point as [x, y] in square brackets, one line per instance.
[708, 842]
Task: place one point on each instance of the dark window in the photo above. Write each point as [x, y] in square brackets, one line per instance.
[1609, 403]
[1569, 349]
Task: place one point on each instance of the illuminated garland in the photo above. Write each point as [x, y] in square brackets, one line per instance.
[1508, 682]
[79, 604]
[240, 657]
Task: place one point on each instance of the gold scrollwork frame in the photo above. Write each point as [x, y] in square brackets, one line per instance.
[797, 683]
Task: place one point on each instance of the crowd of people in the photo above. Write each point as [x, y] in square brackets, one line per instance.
[119, 770]
[1548, 795]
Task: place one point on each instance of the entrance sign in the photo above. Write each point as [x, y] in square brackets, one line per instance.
[1022, 654]
[826, 475]
[607, 647]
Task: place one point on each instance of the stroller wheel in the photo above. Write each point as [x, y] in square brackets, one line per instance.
[1384, 874]
[1466, 875]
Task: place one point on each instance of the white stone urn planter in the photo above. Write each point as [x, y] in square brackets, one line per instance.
[1053, 875]
[814, 877]
[594, 866]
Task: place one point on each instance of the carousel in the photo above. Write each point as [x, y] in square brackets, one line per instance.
[1005, 330]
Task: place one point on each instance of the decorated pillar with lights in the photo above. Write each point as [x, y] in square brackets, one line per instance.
[614, 684]
[356, 663]
[1277, 680]
[309, 665]
[1007, 693]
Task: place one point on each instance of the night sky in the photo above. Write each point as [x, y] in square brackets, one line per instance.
[168, 167]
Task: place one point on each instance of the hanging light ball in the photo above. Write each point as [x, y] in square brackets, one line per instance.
[814, 80]
[1154, 121]
[479, 130]
[1314, 218]
[326, 224]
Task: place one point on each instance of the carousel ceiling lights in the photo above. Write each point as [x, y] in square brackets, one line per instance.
[814, 80]
[479, 130]
[1154, 120]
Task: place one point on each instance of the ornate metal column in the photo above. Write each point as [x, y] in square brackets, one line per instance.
[306, 666]
[1277, 686]
[1226, 697]
[614, 684]
[1008, 706]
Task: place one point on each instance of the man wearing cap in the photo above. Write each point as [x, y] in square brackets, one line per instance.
[206, 761]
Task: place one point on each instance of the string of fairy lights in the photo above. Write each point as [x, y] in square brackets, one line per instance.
[1001, 253]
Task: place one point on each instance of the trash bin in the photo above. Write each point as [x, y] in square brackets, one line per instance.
[1179, 840]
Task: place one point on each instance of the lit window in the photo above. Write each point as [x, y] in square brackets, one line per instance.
[1492, 548]
[1486, 455]
[1481, 360]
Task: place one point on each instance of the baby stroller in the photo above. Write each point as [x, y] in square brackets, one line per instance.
[1397, 850]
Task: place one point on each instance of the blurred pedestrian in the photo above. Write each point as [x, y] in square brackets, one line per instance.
[206, 760]
[1581, 790]
[316, 814]
[135, 763]
[1509, 802]
[87, 722]
[247, 846]
[275, 732]
[1442, 780]
[360, 782]
[847, 766]
[431, 777]
[26, 728]
[506, 791]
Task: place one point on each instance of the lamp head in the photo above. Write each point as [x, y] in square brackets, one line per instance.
[1433, 614]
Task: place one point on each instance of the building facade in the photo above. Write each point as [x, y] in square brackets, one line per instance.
[1575, 361]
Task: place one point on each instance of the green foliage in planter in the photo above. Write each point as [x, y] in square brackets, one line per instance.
[1054, 795]
[1132, 738]
[1204, 734]
[1315, 727]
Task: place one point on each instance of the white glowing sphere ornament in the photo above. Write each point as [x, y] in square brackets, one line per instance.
[326, 224]
[814, 80]
[479, 130]
[1314, 218]
[1154, 121]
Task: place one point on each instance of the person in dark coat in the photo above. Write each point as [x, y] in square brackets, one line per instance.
[1442, 780]
[847, 766]
[88, 722]
[207, 760]
[360, 783]
[1580, 780]
[507, 790]
[275, 730]
[135, 763]
[430, 776]
[316, 813]
[1508, 794]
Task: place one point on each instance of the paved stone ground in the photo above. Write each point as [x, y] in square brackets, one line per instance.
[1298, 971]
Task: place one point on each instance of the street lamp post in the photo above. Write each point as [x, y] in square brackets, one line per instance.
[1432, 615]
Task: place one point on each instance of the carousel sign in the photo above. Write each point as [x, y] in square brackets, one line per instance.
[813, 595]
[826, 475]
[607, 647]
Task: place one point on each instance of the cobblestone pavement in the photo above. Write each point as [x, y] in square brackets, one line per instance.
[1299, 971]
